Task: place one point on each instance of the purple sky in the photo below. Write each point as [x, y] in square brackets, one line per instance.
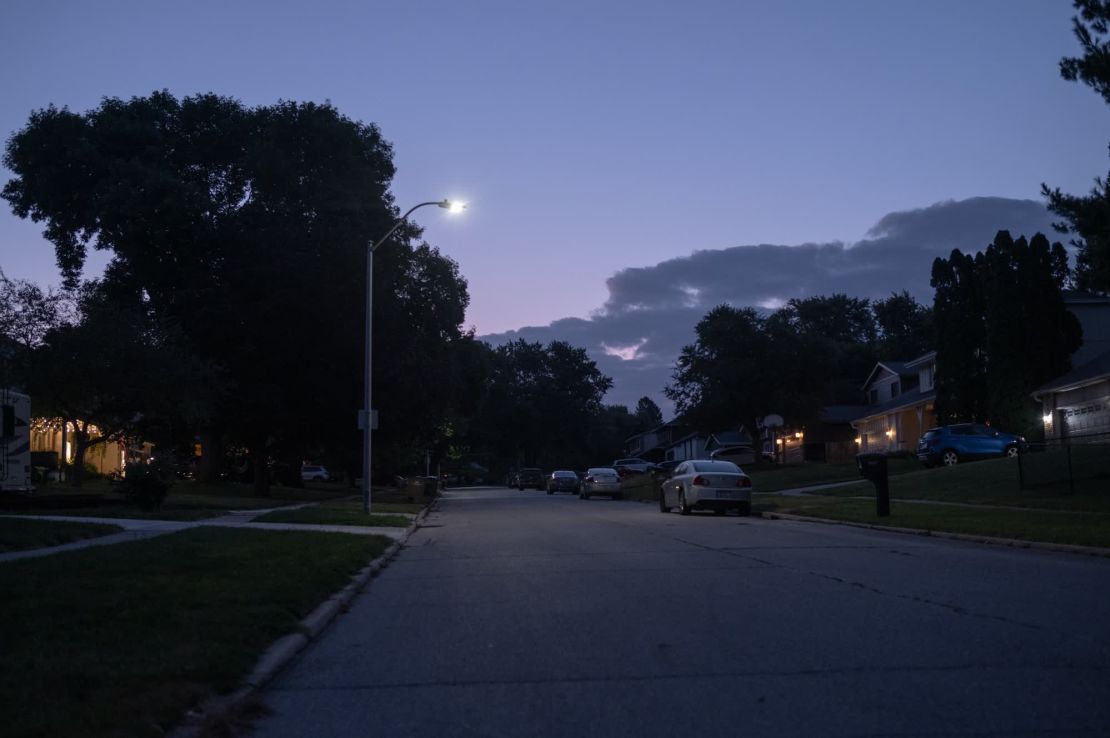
[591, 137]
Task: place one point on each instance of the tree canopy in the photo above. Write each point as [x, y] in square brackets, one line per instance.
[246, 229]
[1087, 217]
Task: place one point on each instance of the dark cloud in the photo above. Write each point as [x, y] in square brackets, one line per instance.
[651, 311]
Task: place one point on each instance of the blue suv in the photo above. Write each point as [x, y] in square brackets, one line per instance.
[951, 444]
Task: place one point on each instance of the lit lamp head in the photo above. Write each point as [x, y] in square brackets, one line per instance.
[453, 206]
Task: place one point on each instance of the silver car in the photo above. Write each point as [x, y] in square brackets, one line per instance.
[719, 486]
[601, 480]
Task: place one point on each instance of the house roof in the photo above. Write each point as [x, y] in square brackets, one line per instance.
[684, 439]
[1095, 370]
[908, 399]
[922, 360]
[731, 437]
[894, 367]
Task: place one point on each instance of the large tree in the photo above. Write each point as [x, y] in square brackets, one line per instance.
[1087, 217]
[1002, 330]
[247, 227]
[905, 327]
[742, 367]
[540, 404]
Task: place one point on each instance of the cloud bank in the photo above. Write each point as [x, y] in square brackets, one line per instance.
[651, 312]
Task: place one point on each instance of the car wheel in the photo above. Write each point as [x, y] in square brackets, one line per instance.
[618, 496]
[719, 511]
[745, 508]
[663, 503]
[683, 508]
[520, 489]
[1011, 452]
[550, 491]
[949, 457]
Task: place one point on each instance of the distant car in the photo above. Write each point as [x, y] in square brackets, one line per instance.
[632, 466]
[701, 484]
[601, 480]
[313, 473]
[948, 445]
[742, 455]
[531, 478]
[562, 481]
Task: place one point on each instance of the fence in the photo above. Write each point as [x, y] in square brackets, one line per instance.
[1068, 460]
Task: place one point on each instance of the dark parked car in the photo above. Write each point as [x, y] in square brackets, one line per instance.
[562, 481]
[951, 444]
[533, 478]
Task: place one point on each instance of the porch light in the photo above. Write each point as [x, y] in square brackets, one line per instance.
[1048, 420]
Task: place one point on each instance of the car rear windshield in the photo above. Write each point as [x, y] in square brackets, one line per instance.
[721, 467]
[602, 472]
[564, 474]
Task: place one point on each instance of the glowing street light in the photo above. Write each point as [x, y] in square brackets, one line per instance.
[365, 419]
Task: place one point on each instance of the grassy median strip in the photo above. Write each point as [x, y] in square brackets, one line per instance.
[1047, 526]
[20, 534]
[121, 640]
[339, 512]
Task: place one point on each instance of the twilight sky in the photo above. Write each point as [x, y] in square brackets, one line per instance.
[602, 143]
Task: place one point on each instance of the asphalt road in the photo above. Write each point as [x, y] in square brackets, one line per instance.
[520, 614]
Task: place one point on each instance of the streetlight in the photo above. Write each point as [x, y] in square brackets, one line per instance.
[365, 421]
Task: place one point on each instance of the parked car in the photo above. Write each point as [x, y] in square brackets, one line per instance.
[666, 468]
[314, 473]
[951, 444]
[632, 466]
[742, 455]
[531, 478]
[601, 480]
[562, 481]
[707, 485]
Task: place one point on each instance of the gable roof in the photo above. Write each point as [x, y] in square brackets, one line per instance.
[894, 367]
[1095, 370]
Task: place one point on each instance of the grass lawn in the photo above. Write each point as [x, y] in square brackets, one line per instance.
[1048, 526]
[121, 640]
[19, 535]
[340, 512]
[991, 482]
[187, 500]
[773, 477]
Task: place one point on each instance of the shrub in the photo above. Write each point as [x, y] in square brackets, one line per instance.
[146, 484]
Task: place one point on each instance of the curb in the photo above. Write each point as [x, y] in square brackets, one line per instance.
[285, 649]
[971, 538]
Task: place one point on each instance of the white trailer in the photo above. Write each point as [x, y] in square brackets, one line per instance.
[15, 442]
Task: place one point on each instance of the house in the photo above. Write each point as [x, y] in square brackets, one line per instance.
[832, 438]
[690, 446]
[651, 445]
[901, 404]
[53, 436]
[1093, 313]
[1076, 406]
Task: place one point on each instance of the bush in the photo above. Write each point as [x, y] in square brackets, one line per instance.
[146, 485]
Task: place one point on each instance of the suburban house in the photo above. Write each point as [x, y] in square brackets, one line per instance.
[52, 445]
[651, 445]
[690, 446]
[901, 398]
[832, 438]
[1076, 405]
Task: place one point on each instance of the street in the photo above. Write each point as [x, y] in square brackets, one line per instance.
[521, 614]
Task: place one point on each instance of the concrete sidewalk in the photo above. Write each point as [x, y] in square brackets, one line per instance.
[140, 529]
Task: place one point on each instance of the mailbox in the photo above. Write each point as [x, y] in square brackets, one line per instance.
[873, 468]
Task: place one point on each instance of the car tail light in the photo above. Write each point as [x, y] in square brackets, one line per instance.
[743, 482]
[700, 481]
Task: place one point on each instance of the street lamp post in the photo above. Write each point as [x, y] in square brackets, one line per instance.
[367, 413]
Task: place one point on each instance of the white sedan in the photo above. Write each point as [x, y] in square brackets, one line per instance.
[601, 481]
[707, 485]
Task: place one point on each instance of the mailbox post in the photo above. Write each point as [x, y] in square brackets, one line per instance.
[873, 468]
